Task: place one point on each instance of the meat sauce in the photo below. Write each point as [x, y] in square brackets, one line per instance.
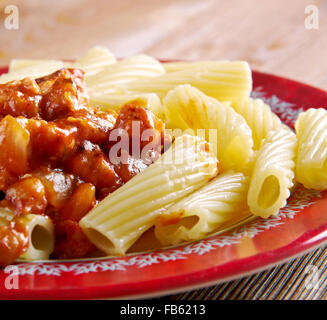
[54, 156]
[13, 242]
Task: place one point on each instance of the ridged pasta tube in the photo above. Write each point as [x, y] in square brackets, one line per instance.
[120, 219]
[40, 232]
[92, 62]
[223, 65]
[311, 163]
[228, 84]
[259, 117]
[114, 102]
[20, 64]
[187, 107]
[95, 60]
[134, 68]
[33, 70]
[221, 200]
[273, 173]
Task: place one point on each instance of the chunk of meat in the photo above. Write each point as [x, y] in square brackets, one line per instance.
[92, 165]
[57, 95]
[54, 141]
[20, 98]
[129, 167]
[92, 125]
[14, 151]
[80, 203]
[58, 185]
[71, 242]
[27, 196]
[49, 141]
[13, 242]
[6, 178]
[144, 129]
[63, 93]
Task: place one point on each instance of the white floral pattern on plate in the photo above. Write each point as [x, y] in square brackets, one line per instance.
[285, 110]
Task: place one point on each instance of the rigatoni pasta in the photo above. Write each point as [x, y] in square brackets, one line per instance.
[228, 84]
[273, 173]
[40, 236]
[32, 70]
[128, 70]
[187, 107]
[220, 201]
[223, 65]
[95, 60]
[39, 230]
[311, 161]
[119, 220]
[49, 66]
[259, 117]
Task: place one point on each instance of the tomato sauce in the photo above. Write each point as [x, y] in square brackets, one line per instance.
[13, 242]
[54, 156]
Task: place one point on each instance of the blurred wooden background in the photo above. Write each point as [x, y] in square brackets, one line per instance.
[271, 35]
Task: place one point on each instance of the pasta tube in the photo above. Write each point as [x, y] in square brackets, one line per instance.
[187, 107]
[17, 65]
[202, 212]
[120, 219]
[127, 70]
[114, 102]
[221, 64]
[95, 60]
[225, 84]
[259, 117]
[33, 70]
[272, 176]
[39, 230]
[40, 237]
[311, 163]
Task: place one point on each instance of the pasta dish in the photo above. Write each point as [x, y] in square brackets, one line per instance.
[100, 157]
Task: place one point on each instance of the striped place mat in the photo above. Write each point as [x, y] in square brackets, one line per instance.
[288, 281]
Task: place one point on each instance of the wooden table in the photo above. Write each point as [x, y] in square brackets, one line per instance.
[271, 35]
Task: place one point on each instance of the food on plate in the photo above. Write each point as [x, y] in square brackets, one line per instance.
[32, 234]
[311, 162]
[259, 117]
[198, 214]
[231, 81]
[123, 72]
[186, 107]
[100, 156]
[114, 102]
[95, 60]
[119, 220]
[273, 173]
[54, 156]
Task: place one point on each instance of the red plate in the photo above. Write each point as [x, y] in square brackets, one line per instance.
[257, 245]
